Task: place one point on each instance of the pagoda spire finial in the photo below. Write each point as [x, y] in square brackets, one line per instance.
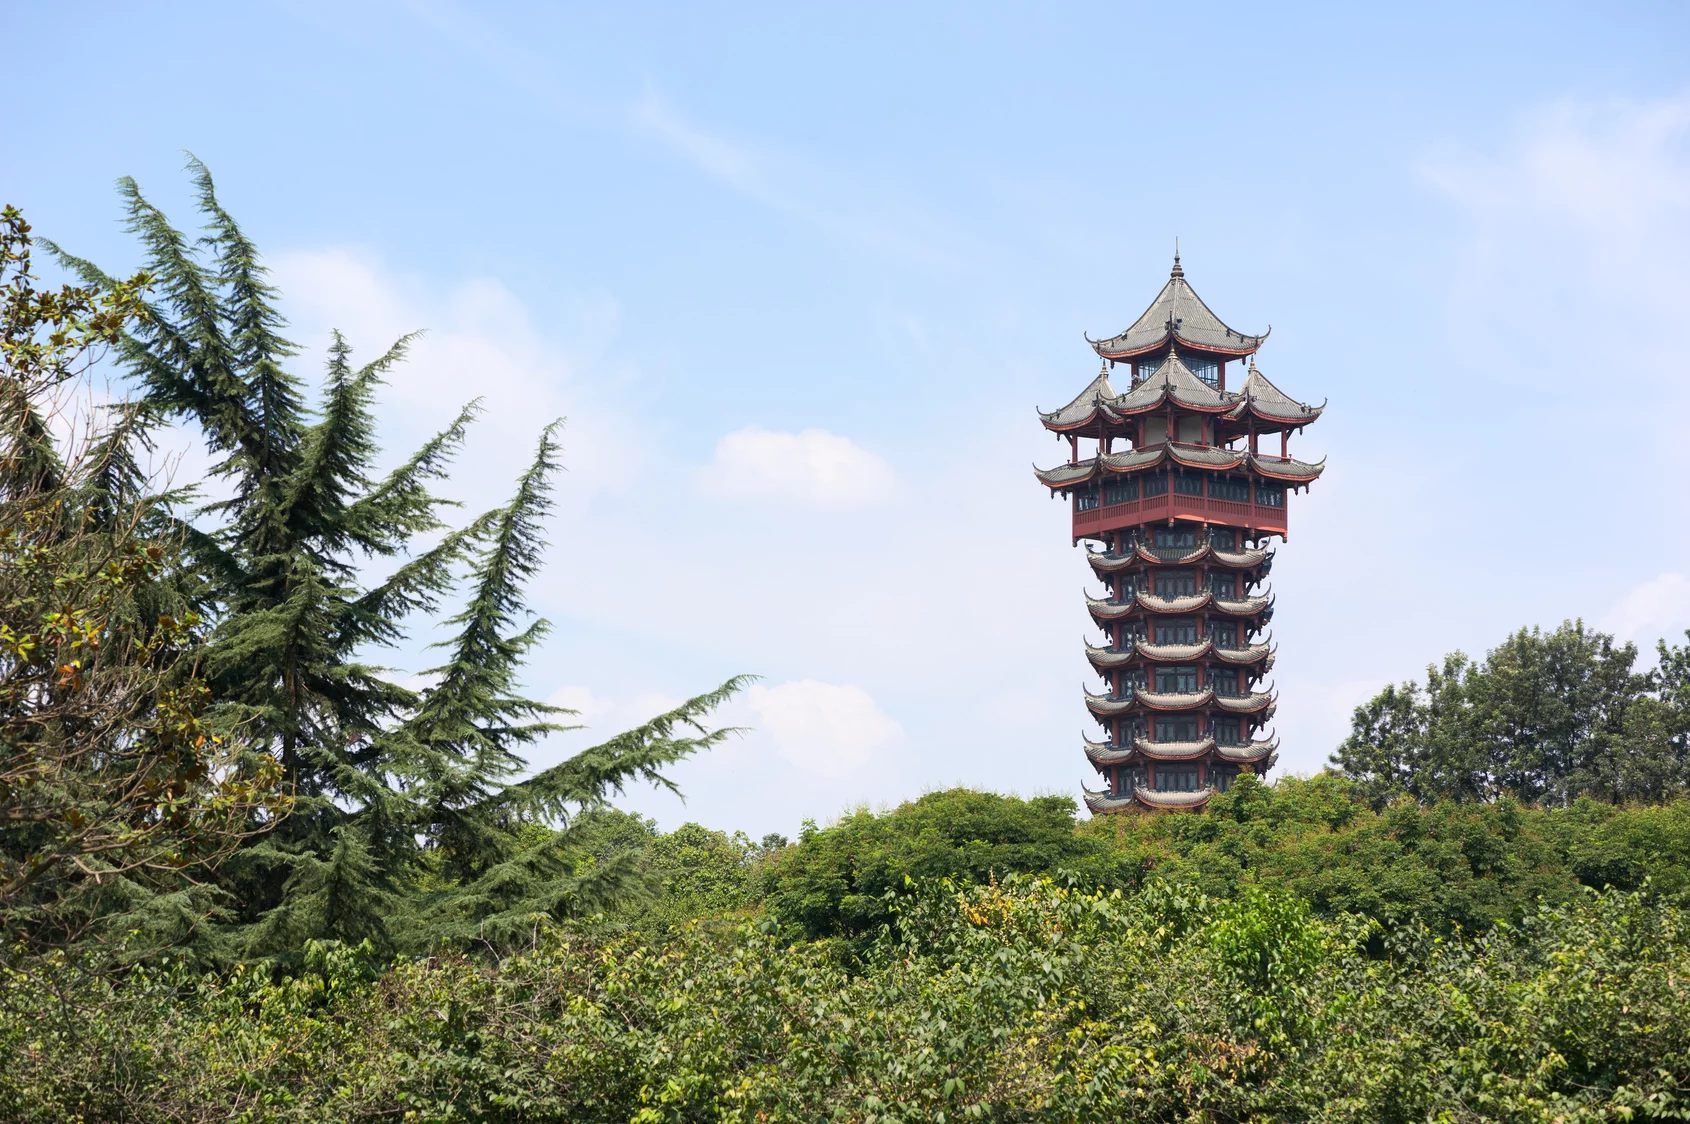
[1178, 272]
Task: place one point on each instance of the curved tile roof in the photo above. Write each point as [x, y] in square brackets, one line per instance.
[1105, 563]
[1173, 751]
[1108, 705]
[1260, 397]
[1244, 607]
[1102, 753]
[1244, 704]
[1242, 559]
[1174, 604]
[1251, 753]
[1206, 456]
[1110, 657]
[1066, 475]
[1287, 468]
[1105, 610]
[1084, 407]
[1153, 799]
[1174, 381]
[1132, 460]
[1100, 804]
[1158, 700]
[1252, 654]
[1177, 313]
[1174, 653]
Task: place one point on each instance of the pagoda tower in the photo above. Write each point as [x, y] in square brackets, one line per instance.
[1176, 489]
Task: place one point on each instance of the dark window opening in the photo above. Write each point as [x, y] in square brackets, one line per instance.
[1222, 776]
[1176, 632]
[1225, 537]
[1188, 484]
[1175, 538]
[1234, 488]
[1085, 498]
[1156, 485]
[1177, 583]
[1176, 680]
[1226, 732]
[1225, 586]
[1176, 778]
[1270, 495]
[1120, 490]
[1176, 729]
[1225, 683]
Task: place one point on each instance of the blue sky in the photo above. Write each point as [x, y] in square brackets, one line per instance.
[798, 277]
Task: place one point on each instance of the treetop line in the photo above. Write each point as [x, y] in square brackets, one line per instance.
[1183, 501]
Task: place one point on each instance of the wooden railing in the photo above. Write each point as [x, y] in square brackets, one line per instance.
[1174, 505]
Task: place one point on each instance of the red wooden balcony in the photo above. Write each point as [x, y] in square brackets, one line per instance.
[1176, 505]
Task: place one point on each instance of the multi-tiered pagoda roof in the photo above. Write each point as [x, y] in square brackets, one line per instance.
[1184, 502]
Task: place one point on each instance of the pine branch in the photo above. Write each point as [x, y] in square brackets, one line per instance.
[640, 754]
[401, 504]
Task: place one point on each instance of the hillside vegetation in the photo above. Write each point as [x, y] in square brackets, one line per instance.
[249, 873]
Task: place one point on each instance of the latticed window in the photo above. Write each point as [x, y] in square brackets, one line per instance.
[1225, 537]
[1223, 633]
[1235, 488]
[1225, 586]
[1176, 729]
[1176, 680]
[1176, 632]
[1176, 583]
[1188, 484]
[1120, 489]
[1085, 498]
[1206, 369]
[1128, 779]
[1226, 732]
[1130, 679]
[1222, 776]
[1144, 368]
[1176, 778]
[1156, 484]
[1225, 683]
[1270, 495]
[1175, 538]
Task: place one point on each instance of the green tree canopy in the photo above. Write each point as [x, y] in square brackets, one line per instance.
[410, 826]
[1545, 717]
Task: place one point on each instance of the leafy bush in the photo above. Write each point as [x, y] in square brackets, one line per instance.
[1016, 1000]
[835, 880]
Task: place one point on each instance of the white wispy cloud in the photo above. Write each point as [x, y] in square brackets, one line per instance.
[823, 728]
[1658, 608]
[811, 466]
[731, 163]
[478, 341]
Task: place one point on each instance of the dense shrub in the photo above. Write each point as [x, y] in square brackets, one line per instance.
[1450, 866]
[1002, 1001]
[834, 881]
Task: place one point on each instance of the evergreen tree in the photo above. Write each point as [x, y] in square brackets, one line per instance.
[405, 801]
[112, 789]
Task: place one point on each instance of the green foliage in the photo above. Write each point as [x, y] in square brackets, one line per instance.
[1449, 866]
[1546, 717]
[114, 790]
[409, 828]
[834, 882]
[1017, 1000]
